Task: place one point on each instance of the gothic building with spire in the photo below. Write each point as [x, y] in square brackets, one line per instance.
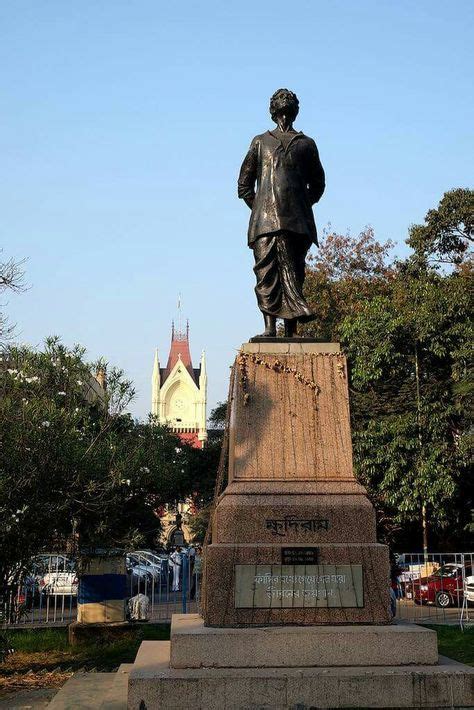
[179, 391]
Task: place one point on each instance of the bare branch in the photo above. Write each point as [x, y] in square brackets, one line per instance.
[12, 275]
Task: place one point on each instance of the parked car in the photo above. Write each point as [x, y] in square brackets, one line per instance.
[60, 576]
[445, 587]
[144, 574]
[469, 590]
[151, 557]
[46, 573]
[411, 572]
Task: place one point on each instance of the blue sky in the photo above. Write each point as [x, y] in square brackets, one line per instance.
[123, 126]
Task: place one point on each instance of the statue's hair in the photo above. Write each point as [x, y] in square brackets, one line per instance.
[283, 97]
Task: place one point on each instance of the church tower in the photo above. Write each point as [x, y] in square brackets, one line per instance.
[179, 391]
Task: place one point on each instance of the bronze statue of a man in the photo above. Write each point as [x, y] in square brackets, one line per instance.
[290, 179]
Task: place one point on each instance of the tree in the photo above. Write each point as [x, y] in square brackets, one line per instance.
[406, 328]
[72, 462]
[343, 273]
[218, 415]
[199, 523]
[406, 354]
[448, 230]
[11, 279]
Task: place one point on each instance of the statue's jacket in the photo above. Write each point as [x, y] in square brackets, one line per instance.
[289, 181]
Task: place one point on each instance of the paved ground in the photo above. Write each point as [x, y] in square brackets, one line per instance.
[26, 699]
[163, 611]
[429, 613]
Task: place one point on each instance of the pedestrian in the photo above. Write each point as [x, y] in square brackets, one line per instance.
[395, 572]
[197, 570]
[176, 562]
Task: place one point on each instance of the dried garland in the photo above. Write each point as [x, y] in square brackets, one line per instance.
[275, 366]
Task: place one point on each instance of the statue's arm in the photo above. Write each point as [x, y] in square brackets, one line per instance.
[248, 175]
[317, 179]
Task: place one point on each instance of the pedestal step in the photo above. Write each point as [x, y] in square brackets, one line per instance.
[153, 684]
[195, 646]
[104, 691]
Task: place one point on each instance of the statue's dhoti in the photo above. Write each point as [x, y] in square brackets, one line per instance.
[280, 271]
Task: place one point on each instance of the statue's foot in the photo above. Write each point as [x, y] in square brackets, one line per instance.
[270, 327]
[291, 328]
[267, 334]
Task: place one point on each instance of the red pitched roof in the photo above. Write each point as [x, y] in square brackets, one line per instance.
[179, 347]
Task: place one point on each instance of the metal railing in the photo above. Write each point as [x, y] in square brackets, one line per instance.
[171, 587]
[432, 588]
[47, 593]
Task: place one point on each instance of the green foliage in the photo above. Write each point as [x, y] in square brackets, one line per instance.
[199, 524]
[73, 464]
[344, 272]
[448, 230]
[218, 415]
[407, 330]
[202, 466]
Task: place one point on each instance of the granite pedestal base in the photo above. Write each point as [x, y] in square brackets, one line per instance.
[220, 608]
[298, 668]
[194, 645]
[291, 491]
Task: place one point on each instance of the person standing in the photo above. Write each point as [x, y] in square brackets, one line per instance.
[176, 563]
[196, 578]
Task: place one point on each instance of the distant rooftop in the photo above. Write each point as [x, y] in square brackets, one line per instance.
[179, 349]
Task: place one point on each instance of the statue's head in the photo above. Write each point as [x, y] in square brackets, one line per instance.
[284, 100]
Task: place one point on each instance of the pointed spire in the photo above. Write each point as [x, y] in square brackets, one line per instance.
[155, 378]
[203, 362]
[187, 329]
[155, 385]
[203, 374]
[203, 403]
[172, 330]
[156, 366]
[179, 314]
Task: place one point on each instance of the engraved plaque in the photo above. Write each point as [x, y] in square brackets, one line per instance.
[298, 586]
[299, 555]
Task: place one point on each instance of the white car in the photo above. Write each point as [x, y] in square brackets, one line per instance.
[141, 571]
[59, 578]
[469, 589]
[150, 558]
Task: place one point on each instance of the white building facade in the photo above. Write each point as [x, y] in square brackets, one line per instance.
[179, 391]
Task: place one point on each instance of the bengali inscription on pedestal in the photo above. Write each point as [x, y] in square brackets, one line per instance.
[293, 586]
[299, 555]
[289, 524]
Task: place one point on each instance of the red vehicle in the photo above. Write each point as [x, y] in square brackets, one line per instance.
[443, 588]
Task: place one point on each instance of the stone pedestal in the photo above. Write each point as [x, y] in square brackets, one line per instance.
[295, 600]
[291, 485]
[296, 668]
[194, 645]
